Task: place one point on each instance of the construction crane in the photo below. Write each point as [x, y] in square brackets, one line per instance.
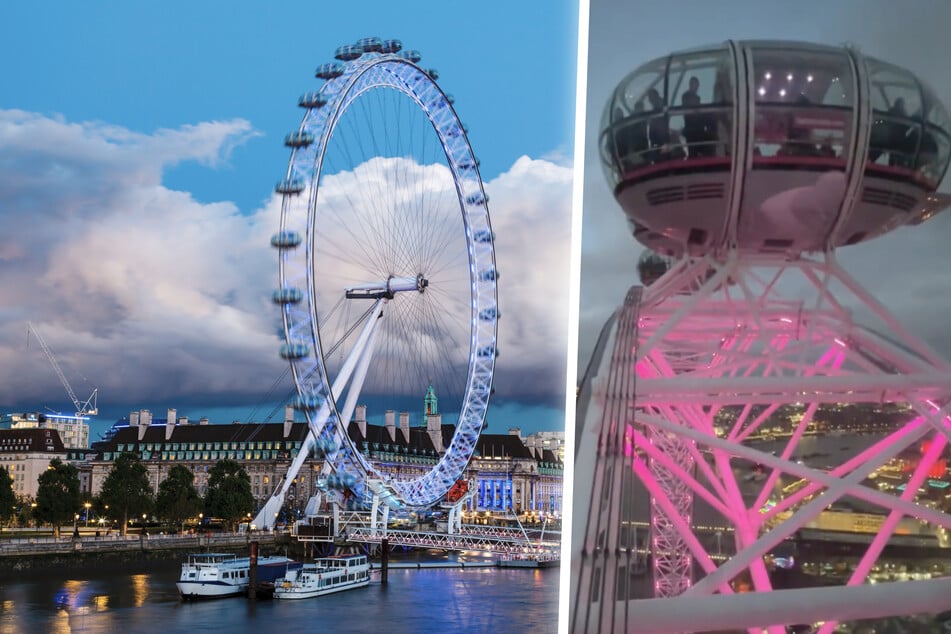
[90, 407]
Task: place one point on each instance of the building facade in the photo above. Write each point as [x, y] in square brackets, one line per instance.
[73, 430]
[507, 475]
[26, 454]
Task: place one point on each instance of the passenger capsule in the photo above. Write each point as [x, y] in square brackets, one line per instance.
[298, 139]
[348, 52]
[489, 275]
[483, 236]
[290, 186]
[489, 314]
[478, 198]
[295, 350]
[413, 56]
[327, 445]
[329, 71]
[789, 183]
[308, 403]
[312, 100]
[486, 352]
[286, 239]
[370, 45]
[392, 46]
[450, 99]
[433, 73]
[287, 296]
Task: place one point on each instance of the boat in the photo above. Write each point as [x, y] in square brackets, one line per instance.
[325, 576]
[215, 575]
[539, 560]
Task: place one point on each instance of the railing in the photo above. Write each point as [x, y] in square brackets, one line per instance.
[496, 544]
[50, 545]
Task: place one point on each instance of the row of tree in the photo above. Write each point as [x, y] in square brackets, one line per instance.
[126, 493]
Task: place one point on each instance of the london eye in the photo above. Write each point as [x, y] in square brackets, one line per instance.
[387, 268]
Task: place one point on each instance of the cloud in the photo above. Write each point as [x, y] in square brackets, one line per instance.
[157, 298]
[531, 216]
[140, 289]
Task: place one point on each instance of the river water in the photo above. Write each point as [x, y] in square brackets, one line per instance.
[414, 601]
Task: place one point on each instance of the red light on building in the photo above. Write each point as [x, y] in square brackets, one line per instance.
[939, 469]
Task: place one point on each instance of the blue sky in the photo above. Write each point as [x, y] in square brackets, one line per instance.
[141, 143]
[146, 66]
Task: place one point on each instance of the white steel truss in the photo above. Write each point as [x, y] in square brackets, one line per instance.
[469, 540]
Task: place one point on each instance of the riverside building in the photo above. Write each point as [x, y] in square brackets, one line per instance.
[508, 475]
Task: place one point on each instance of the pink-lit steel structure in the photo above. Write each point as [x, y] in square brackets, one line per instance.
[748, 165]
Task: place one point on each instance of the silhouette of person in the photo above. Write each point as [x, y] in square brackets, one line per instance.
[658, 131]
[699, 128]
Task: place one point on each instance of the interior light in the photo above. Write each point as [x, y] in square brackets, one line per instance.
[761, 91]
[789, 77]
[782, 92]
[768, 75]
[808, 77]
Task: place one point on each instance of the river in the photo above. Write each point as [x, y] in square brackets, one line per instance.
[413, 602]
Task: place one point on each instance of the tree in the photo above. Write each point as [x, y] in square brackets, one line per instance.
[58, 497]
[229, 492]
[178, 498]
[126, 490]
[8, 499]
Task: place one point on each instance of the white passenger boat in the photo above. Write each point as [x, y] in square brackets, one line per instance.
[538, 560]
[325, 576]
[214, 575]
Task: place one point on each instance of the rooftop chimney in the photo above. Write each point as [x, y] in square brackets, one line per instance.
[170, 424]
[434, 429]
[288, 420]
[145, 419]
[361, 416]
[404, 425]
[390, 422]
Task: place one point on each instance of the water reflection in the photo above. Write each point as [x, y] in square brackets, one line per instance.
[140, 589]
[414, 602]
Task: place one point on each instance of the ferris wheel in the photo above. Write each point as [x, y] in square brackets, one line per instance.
[388, 281]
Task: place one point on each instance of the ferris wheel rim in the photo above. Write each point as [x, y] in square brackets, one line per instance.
[406, 78]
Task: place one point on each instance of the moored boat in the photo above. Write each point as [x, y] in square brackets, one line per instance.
[325, 576]
[216, 575]
[540, 560]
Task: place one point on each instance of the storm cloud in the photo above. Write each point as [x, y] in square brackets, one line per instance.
[156, 297]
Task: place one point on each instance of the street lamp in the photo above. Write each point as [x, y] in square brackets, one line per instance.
[88, 505]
